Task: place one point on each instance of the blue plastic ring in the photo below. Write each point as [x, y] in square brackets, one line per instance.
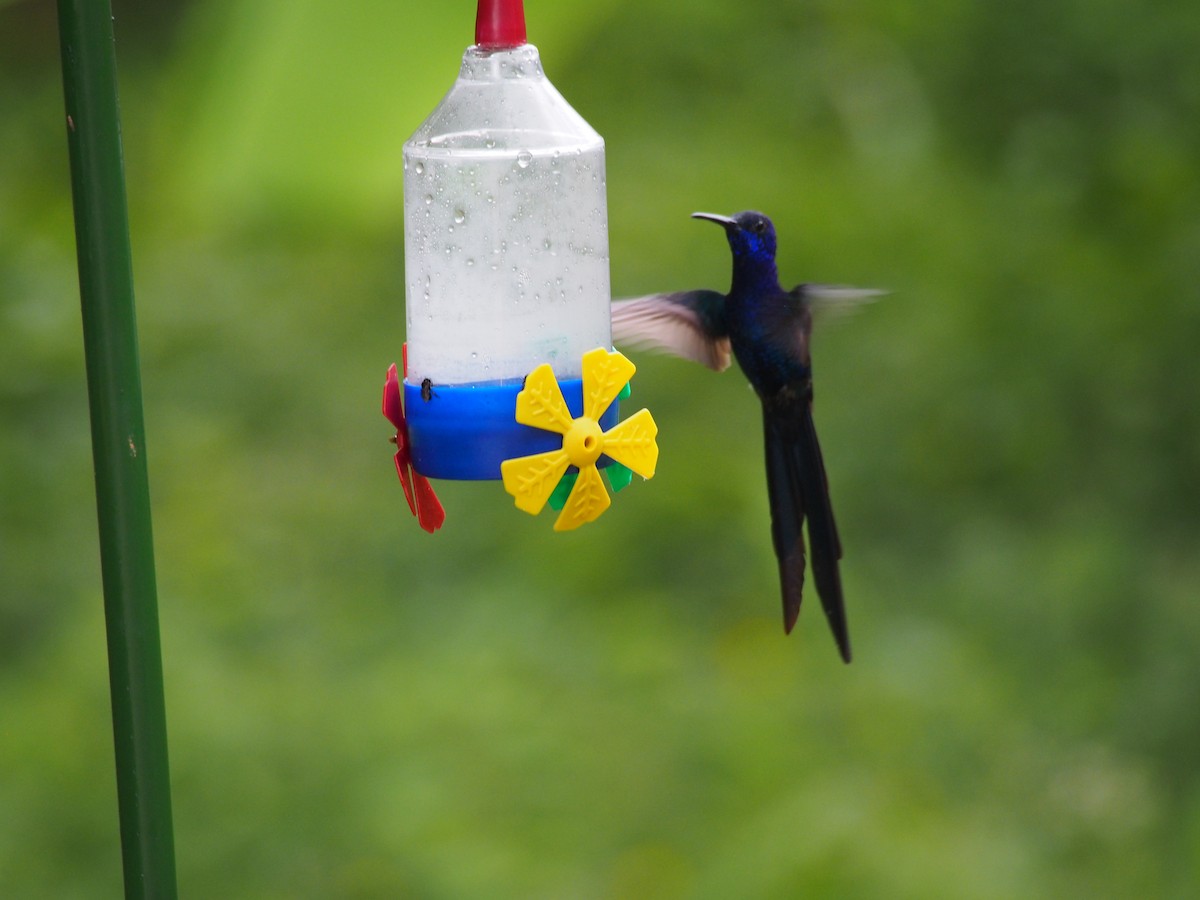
[464, 431]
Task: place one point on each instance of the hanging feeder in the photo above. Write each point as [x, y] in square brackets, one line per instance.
[506, 271]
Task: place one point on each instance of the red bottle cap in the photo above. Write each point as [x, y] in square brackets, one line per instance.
[500, 23]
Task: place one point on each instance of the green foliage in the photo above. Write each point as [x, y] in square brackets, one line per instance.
[358, 709]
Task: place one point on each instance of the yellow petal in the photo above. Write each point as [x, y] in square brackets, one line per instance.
[588, 499]
[532, 479]
[540, 403]
[604, 374]
[632, 444]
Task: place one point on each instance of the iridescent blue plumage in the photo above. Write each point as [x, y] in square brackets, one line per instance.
[767, 329]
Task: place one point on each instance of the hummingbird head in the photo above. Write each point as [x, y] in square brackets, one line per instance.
[750, 233]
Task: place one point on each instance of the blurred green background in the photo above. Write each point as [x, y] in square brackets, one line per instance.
[358, 709]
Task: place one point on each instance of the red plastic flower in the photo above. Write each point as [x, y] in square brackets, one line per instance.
[417, 490]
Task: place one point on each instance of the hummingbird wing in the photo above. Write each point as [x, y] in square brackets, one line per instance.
[689, 324]
[834, 301]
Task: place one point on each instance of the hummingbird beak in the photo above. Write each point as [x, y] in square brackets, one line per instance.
[727, 223]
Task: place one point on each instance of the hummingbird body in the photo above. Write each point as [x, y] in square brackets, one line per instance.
[767, 329]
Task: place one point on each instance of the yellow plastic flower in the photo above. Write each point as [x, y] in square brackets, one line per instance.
[540, 404]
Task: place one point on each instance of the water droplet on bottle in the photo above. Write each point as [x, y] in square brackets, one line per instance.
[459, 216]
[428, 199]
[470, 263]
[546, 244]
[419, 168]
[490, 143]
[524, 158]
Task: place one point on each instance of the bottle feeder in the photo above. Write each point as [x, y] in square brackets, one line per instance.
[509, 372]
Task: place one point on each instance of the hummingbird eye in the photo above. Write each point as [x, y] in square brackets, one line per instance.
[759, 226]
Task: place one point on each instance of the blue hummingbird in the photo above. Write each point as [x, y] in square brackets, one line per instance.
[768, 330]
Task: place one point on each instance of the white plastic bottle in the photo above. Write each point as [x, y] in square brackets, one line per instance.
[506, 224]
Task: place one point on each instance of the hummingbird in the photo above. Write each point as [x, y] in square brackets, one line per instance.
[768, 330]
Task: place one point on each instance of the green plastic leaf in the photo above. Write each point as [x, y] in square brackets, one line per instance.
[558, 499]
[619, 476]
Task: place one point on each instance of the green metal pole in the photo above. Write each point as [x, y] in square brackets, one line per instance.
[118, 447]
